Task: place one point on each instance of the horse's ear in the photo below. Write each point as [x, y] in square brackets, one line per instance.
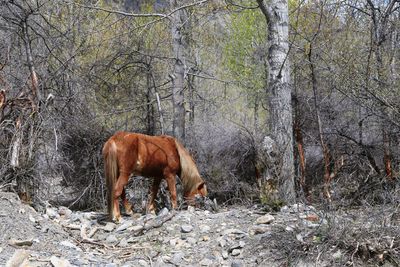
[200, 186]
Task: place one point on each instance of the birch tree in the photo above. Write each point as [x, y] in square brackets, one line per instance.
[178, 22]
[279, 93]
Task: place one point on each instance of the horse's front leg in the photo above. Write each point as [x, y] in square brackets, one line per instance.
[153, 194]
[171, 182]
[118, 190]
[127, 204]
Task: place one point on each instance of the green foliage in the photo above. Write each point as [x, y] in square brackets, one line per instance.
[245, 52]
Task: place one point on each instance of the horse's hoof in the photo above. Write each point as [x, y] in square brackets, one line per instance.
[117, 219]
[129, 212]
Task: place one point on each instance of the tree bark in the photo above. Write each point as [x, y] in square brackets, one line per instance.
[178, 20]
[279, 92]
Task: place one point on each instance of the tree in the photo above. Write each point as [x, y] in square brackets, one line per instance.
[279, 93]
[179, 20]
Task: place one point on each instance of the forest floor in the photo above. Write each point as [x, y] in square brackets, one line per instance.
[298, 235]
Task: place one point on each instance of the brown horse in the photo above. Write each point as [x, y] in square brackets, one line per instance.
[151, 156]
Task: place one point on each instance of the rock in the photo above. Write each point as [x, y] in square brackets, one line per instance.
[109, 227]
[225, 254]
[204, 228]
[205, 238]
[111, 239]
[266, 219]
[236, 252]
[52, 213]
[177, 258]
[68, 244]
[284, 209]
[32, 219]
[337, 255]
[222, 242]
[64, 212]
[191, 240]
[191, 209]
[260, 229]
[124, 226]
[289, 228]
[233, 231]
[143, 263]
[206, 262]
[299, 237]
[237, 264]
[239, 245]
[59, 262]
[163, 212]
[136, 228]
[123, 243]
[186, 228]
[19, 258]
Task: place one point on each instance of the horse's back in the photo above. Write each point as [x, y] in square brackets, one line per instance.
[144, 154]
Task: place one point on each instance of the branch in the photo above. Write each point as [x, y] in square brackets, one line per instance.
[267, 13]
[138, 15]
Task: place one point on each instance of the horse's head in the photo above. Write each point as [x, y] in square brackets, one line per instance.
[200, 190]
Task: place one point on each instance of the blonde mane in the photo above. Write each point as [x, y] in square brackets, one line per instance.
[190, 175]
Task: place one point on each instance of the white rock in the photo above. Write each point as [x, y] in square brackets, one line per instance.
[109, 227]
[32, 219]
[123, 243]
[124, 226]
[225, 254]
[163, 212]
[59, 262]
[64, 212]
[19, 258]
[266, 219]
[205, 228]
[111, 239]
[236, 252]
[143, 263]
[186, 228]
[52, 213]
[136, 228]
[70, 245]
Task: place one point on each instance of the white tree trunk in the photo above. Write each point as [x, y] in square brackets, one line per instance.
[178, 21]
[279, 92]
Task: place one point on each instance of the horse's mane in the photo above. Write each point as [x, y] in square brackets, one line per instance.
[190, 175]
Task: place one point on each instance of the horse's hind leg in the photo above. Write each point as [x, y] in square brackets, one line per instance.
[118, 189]
[171, 182]
[127, 204]
[153, 194]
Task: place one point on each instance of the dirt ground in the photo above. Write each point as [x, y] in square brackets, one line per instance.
[298, 235]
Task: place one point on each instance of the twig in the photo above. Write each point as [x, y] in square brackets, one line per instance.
[355, 251]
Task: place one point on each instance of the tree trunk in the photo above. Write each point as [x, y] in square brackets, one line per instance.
[279, 92]
[178, 21]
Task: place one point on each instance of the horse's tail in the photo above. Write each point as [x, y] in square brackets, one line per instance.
[190, 175]
[111, 172]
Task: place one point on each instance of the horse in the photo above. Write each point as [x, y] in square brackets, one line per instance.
[157, 157]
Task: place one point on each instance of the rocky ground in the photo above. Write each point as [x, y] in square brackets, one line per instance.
[298, 235]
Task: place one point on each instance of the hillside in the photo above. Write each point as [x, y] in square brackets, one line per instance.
[232, 236]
